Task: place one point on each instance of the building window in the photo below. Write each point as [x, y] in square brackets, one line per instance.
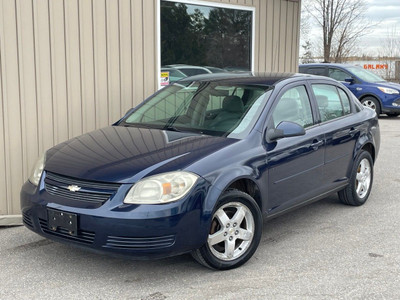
[205, 37]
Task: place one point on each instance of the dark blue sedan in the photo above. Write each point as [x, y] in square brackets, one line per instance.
[372, 91]
[198, 165]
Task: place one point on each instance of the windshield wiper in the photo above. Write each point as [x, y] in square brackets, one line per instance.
[171, 128]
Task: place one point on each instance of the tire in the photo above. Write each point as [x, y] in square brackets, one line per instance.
[392, 115]
[359, 188]
[234, 234]
[372, 103]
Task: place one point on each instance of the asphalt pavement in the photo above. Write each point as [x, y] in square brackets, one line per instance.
[322, 251]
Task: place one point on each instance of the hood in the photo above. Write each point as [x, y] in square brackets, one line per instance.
[126, 154]
[388, 84]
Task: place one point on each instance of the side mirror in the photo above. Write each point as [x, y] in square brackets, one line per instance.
[285, 129]
[350, 80]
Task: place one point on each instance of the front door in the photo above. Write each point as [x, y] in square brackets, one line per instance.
[340, 75]
[295, 164]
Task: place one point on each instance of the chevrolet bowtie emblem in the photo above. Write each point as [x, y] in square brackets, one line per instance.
[73, 188]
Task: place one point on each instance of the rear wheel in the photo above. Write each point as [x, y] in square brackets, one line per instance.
[372, 103]
[359, 188]
[234, 234]
[392, 115]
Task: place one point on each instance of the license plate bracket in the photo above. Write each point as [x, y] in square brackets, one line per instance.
[59, 219]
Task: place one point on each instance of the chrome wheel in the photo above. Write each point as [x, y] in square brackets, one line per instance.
[369, 103]
[232, 231]
[363, 178]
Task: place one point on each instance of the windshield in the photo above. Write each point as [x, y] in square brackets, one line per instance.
[365, 75]
[212, 108]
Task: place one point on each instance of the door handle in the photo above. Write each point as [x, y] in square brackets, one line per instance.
[352, 131]
[316, 144]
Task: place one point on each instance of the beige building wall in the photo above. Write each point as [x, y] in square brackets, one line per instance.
[70, 66]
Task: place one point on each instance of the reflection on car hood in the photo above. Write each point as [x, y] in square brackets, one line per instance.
[387, 84]
[126, 154]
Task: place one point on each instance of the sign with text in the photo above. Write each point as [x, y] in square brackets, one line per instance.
[164, 78]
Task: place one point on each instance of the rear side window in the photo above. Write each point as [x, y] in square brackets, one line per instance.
[332, 102]
[345, 101]
[316, 71]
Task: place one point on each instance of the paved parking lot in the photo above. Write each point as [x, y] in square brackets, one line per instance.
[322, 251]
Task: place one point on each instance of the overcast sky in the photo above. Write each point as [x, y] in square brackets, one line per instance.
[384, 12]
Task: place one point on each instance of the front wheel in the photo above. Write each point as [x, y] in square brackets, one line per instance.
[372, 103]
[234, 234]
[359, 188]
[392, 115]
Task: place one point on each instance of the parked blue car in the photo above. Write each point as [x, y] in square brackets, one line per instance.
[372, 91]
[198, 165]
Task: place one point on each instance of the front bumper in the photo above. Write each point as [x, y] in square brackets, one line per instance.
[140, 231]
[391, 104]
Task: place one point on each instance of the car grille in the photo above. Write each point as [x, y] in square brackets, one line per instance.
[91, 192]
[119, 242]
[27, 220]
[84, 237]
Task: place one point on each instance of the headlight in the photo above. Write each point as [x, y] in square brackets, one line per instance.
[163, 188]
[388, 90]
[37, 170]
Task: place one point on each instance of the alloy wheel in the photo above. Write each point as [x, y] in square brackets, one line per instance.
[363, 178]
[232, 231]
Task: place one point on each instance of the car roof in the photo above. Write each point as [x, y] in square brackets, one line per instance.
[327, 65]
[179, 66]
[250, 78]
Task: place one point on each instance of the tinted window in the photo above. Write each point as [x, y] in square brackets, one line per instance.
[203, 35]
[338, 75]
[329, 102]
[316, 71]
[294, 106]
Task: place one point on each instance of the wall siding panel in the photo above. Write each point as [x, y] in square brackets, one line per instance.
[73, 68]
[100, 62]
[113, 61]
[14, 163]
[59, 70]
[87, 65]
[3, 184]
[125, 29]
[27, 79]
[43, 75]
[70, 66]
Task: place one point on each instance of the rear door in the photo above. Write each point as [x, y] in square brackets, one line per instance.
[338, 121]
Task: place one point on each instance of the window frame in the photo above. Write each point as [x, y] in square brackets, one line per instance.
[204, 3]
[278, 96]
[337, 87]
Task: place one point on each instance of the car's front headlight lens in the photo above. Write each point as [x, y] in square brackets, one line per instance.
[163, 188]
[388, 90]
[37, 170]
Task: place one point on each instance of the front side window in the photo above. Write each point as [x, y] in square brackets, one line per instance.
[213, 108]
[206, 36]
[293, 106]
[332, 102]
[338, 75]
